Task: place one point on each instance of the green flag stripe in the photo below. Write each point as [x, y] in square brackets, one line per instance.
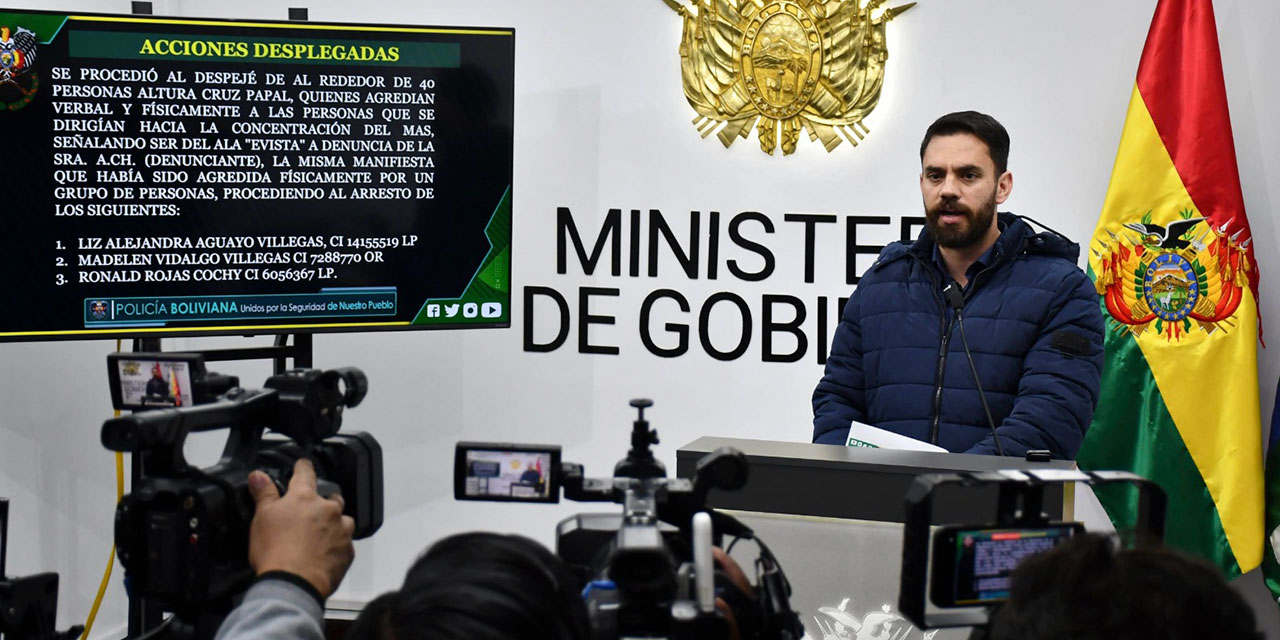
[1133, 431]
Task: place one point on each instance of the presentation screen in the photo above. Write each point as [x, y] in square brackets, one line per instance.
[188, 177]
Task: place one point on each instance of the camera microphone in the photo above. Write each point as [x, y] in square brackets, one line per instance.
[703, 564]
[956, 299]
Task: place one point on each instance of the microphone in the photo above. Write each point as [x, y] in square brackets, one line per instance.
[954, 296]
[956, 299]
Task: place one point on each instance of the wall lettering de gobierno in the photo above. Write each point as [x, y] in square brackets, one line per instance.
[629, 245]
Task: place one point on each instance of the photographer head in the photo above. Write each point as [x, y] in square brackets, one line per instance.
[1085, 589]
[479, 585]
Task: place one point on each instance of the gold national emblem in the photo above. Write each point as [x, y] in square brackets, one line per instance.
[782, 65]
[1177, 277]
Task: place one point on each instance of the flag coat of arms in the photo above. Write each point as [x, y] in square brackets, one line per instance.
[1172, 261]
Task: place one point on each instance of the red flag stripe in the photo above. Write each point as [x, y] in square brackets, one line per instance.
[1180, 79]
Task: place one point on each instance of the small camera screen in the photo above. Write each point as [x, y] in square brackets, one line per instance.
[154, 383]
[511, 475]
[985, 558]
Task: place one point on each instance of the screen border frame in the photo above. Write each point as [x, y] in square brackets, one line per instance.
[285, 327]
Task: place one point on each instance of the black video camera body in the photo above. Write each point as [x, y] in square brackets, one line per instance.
[648, 572]
[956, 575]
[182, 534]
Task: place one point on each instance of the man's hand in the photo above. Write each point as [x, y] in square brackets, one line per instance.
[301, 533]
[739, 579]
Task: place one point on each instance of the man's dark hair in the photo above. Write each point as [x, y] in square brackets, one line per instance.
[479, 585]
[1085, 589]
[981, 126]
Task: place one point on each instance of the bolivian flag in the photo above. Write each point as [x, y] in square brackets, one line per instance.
[175, 389]
[1172, 260]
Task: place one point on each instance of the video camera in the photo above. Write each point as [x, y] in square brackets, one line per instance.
[648, 572]
[966, 568]
[182, 534]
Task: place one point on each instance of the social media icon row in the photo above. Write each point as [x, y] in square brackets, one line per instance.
[469, 310]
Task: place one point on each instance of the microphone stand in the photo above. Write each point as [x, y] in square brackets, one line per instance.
[956, 299]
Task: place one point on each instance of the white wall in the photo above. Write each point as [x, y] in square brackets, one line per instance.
[601, 123]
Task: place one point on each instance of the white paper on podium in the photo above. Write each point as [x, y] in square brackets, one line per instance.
[865, 435]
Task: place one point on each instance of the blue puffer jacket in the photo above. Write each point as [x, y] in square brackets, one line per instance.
[1034, 327]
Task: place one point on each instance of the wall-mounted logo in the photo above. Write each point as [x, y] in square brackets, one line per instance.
[18, 80]
[780, 66]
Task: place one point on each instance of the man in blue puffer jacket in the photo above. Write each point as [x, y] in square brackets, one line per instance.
[1029, 315]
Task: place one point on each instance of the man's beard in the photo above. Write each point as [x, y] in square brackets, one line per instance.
[959, 236]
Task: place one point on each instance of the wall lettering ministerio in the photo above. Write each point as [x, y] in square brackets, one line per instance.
[630, 246]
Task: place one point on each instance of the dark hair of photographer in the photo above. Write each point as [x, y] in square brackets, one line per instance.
[1085, 589]
[478, 586]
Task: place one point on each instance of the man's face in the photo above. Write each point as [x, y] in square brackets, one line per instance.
[961, 189]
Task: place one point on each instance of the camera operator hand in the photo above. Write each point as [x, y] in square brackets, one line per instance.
[734, 573]
[300, 533]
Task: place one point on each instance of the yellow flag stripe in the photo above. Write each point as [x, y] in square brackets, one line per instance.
[1208, 382]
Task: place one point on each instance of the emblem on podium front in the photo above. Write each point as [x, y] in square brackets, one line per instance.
[784, 66]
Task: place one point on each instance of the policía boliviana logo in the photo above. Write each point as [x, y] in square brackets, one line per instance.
[780, 66]
[1177, 278]
[18, 80]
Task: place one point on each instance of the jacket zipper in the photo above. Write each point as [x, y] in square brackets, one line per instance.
[946, 329]
[942, 357]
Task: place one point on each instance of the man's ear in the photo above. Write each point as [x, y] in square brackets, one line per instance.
[1004, 186]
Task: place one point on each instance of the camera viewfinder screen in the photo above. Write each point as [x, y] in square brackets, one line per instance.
[985, 558]
[155, 383]
[510, 475]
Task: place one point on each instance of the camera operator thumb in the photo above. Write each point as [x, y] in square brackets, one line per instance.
[300, 548]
